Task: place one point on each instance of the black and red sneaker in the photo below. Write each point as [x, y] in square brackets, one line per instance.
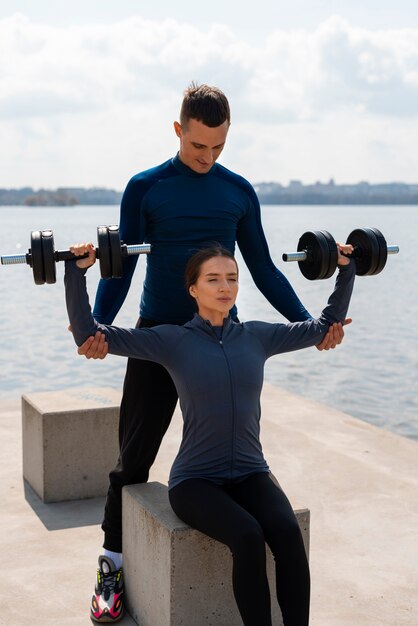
[107, 601]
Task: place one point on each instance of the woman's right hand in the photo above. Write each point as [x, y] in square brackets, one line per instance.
[83, 248]
[344, 251]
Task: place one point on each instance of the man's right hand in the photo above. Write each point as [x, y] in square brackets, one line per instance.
[95, 347]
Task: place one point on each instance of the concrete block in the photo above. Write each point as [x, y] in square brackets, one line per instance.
[70, 442]
[175, 575]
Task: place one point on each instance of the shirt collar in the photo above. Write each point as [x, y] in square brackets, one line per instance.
[185, 169]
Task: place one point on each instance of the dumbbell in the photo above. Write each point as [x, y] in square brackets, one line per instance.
[42, 255]
[317, 253]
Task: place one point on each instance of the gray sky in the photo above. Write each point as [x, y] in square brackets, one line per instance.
[326, 89]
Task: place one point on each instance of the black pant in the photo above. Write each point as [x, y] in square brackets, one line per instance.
[148, 403]
[244, 516]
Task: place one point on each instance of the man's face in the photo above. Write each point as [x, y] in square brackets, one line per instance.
[200, 145]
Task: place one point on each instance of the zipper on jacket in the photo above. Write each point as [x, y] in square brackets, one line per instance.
[233, 426]
[220, 341]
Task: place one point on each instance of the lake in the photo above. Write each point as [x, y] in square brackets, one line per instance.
[373, 375]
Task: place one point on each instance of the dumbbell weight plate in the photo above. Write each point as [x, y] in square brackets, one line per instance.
[104, 252]
[115, 251]
[316, 265]
[48, 251]
[36, 257]
[367, 252]
[333, 253]
[383, 250]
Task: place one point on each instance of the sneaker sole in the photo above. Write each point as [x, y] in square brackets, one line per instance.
[107, 620]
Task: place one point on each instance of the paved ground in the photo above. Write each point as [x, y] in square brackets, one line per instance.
[359, 482]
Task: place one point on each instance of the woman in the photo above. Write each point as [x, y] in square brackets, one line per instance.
[219, 482]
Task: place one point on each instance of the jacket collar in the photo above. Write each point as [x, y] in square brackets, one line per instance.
[204, 325]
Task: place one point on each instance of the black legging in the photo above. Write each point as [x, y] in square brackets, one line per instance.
[244, 516]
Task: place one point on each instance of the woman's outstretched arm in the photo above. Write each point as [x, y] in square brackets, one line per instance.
[152, 344]
[278, 338]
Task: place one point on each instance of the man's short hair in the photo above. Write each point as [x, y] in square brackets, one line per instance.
[205, 104]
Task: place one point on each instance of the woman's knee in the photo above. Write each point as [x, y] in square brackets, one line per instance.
[249, 538]
[292, 529]
[286, 537]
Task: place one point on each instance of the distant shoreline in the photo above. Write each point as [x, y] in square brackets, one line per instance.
[296, 193]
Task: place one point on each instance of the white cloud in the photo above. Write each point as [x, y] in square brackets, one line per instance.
[93, 104]
[337, 67]
[375, 71]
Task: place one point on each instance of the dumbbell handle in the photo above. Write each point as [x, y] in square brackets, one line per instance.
[66, 255]
[59, 255]
[303, 254]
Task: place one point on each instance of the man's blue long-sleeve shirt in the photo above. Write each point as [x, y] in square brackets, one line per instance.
[177, 211]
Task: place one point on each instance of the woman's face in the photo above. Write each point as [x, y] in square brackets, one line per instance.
[216, 288]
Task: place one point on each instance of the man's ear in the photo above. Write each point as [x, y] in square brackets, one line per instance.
[177, 129]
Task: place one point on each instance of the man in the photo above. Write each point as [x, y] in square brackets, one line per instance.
[177, 206]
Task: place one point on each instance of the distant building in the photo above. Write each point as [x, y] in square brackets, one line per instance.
[268, 193]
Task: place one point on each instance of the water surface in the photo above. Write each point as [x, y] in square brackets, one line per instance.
[373, 375]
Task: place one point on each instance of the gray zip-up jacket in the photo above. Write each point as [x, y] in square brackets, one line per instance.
[219, 380]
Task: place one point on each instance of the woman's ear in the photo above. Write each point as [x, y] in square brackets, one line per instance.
[192, 291]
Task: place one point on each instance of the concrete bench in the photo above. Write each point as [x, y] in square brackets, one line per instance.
[175, 575]
[70, 442]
